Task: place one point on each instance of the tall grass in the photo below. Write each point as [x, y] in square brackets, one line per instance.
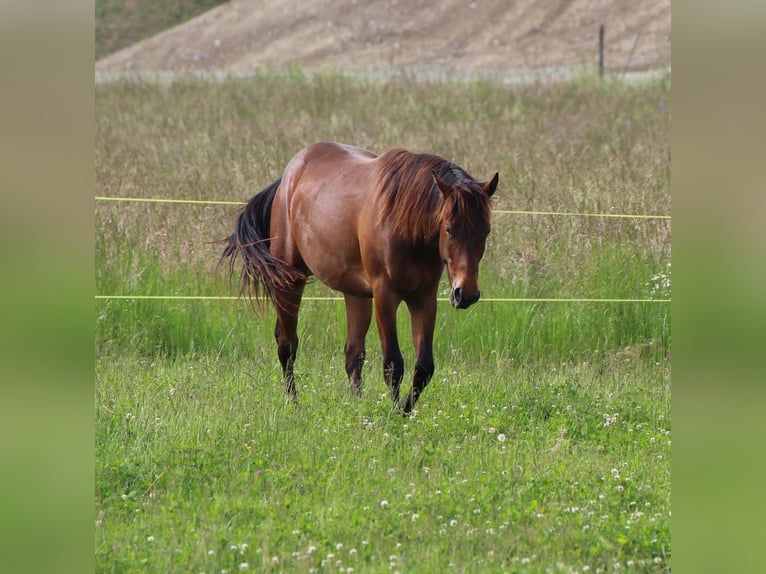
[201, 464]
[574, 147]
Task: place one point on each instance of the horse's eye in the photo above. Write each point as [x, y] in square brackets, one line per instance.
[448, 229]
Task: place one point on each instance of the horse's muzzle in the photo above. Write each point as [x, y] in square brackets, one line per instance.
[459, 299]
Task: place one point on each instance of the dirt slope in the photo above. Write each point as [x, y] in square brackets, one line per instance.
[462, 36]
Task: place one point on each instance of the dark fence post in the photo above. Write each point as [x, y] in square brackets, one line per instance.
[601, 51]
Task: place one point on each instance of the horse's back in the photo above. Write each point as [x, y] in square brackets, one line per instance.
[327, 179]
[334, 152]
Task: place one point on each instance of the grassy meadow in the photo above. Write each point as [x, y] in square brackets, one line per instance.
[543, 441]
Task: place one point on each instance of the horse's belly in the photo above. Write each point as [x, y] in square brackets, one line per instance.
[338, 272]
[330, 248]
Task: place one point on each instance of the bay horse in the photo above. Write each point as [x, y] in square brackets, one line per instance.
[379, 229]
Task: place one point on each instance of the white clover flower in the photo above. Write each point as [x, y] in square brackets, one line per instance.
[501, 437]
[150, 538]
[415, 517]
[384, 503]
[243, 566]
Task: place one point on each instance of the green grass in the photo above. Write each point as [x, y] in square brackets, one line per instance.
[120, 24]
[204, 455]
[202, 466]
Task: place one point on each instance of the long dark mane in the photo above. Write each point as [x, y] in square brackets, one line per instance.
[410, 202]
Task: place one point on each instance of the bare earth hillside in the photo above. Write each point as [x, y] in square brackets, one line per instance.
[452, 36]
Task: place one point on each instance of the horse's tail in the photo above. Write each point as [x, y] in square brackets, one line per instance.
[262, 276]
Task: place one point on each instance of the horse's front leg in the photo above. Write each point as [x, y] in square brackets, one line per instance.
[386, 303]
[358, 317]
[423, 315]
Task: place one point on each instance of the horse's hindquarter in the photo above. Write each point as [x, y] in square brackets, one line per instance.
[325, 190]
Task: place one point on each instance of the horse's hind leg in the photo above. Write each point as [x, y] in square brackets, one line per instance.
[358, 318]
[286, 333]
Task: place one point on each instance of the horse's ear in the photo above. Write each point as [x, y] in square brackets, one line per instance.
[490, 187]
[443, 186]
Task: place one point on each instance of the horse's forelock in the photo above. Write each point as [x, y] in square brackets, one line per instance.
[410, 202]
[468, 206]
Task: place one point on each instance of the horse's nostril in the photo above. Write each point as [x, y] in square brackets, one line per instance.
[458, 295]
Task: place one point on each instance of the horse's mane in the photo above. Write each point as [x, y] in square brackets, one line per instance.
[410, 202]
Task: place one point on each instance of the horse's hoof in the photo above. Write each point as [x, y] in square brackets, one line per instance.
[404, 408]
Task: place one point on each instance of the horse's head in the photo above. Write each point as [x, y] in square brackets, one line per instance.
[464, 227]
